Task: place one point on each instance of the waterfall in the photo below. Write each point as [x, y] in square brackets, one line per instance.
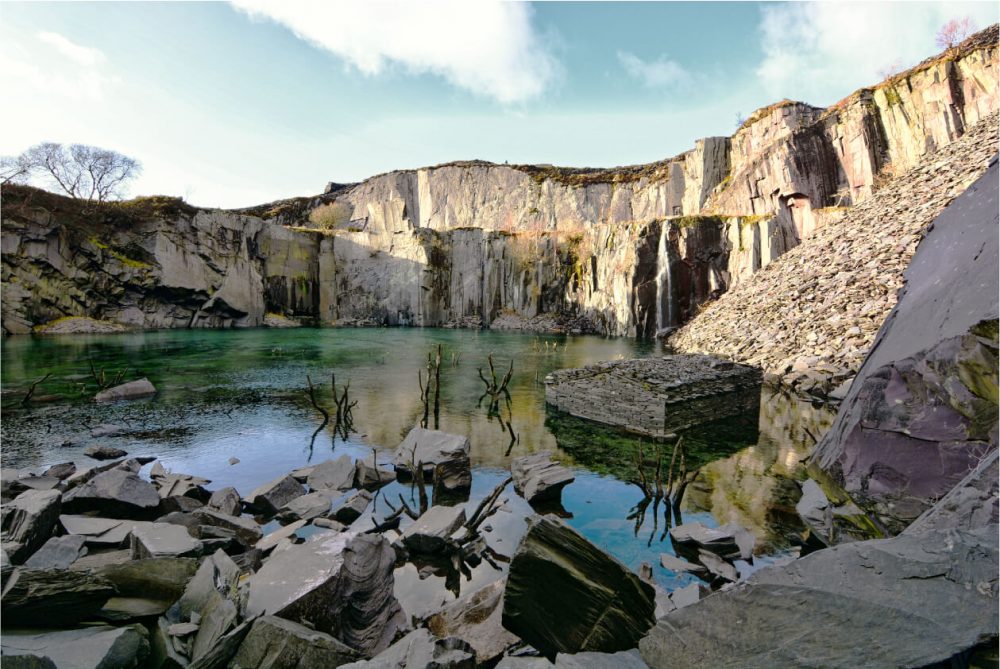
[664, 292]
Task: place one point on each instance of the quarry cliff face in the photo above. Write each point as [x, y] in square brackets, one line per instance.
[621, 251]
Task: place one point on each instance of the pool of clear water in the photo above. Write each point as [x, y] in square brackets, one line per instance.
[242, 394]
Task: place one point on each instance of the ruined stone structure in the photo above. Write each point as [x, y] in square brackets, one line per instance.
[622, 251]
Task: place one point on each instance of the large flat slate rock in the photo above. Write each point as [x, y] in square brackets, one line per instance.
[910, 601]
[85, 648]
[538, 479]
[117, 492]
[28, 522]
[449, 453]
[274, 643]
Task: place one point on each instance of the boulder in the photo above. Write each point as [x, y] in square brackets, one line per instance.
[274, 643]
[245, 528]
[686, 596]
[728, 541]
[564, 595]
[420, 649]
[306, 507]
[224, 648]
[332, 475]
[970, 505]
[538, 479]
[61, 471]
[911, 601]
[162, 540]
[53, 597]
[105, 430]
[434, 448]
[127, 391]
[216, 618]
[273, 495]
[430, 531]
[58, 553]
[85, 648]
[720, 570]
[28, 522]
[476, 618]
[162, 579]
[349, 508]
[182, 485]
[227, 501]
[105, 453]
[101, 559]
[370, 474]
[217, 575]
[116, 492]
[342, 583]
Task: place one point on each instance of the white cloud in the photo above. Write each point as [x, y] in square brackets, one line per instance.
[83, 55]
[822, 51]
[486, 47]
[658, 73]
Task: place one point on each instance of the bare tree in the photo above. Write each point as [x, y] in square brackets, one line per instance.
[890, 70]
[81, 171]
[14, 169]
[953, 32]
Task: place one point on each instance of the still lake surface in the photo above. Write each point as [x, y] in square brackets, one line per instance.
[242, 394]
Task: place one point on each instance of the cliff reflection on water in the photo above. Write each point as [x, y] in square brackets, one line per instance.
[241, 393]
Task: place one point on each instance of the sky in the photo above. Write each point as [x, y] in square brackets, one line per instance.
[233, 104]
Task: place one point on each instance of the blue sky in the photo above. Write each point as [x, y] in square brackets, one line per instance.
[234, 104]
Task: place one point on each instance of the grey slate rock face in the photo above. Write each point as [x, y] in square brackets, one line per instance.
[538, 479]
[308, 506]
[53, 597]
[564, 595]
[127, 391]
[433, 448]
[58, 553]
[970, 505]
[420, 649]
[349, 508]
[676, 564]
[476, 618]
[922, 410]
[162, 578]
[342, 583]
[273, 495]
[332, 475]
[626, 659]
[275, 643]
[429, 532]
[227, 501]
[116, 492]
[85, 648]
[370, 474]
[163, 540]
[911, 601]
[728, 541]
[244, 528]
[217, 575]
[28, 522]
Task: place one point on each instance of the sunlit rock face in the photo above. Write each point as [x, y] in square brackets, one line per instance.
[621, 251]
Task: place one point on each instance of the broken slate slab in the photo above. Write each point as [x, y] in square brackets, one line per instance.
[349, 508]
[308, 506]
[227, 501]
[273, 495]
[342, 583]
[538, 479]
[429, 533]
[117, 493]
[127, 391]
[163, 540]
[28, 522]
[216, 575]
[61, 471]
[53, 597]
[910, 601]
[332, 475]
[565, 595]
[719, 569]
[676, 564]
[274, 538]
[729, 541]
[58, 553]
[84, 648]
[371, 474]
[686, 596]
[244, 528]
[163, 578]
[626, 659]
[299, 646]
[476, 618]
[434, 448]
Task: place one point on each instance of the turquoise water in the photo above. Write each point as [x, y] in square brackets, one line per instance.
[242, 394]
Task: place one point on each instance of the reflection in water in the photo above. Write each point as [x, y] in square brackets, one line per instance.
[244, 394]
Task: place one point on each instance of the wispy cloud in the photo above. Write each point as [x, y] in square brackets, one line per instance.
[486, 47]
[83, 55]
[813, 48]
[659, 73]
